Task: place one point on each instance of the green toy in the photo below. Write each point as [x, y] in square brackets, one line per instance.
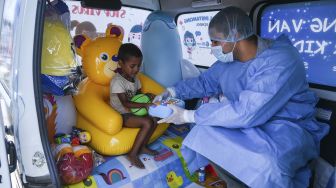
[140, 98]
[175, 144]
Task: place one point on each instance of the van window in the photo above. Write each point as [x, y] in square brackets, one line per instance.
[8, 26]
[93, 22]
[195, 41]
[311, 26]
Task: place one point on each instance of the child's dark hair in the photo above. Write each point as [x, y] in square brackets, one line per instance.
[127, 51]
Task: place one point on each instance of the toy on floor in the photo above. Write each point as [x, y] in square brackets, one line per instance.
[73, 160]
[173, 180]
[161, 110]
[76, 137]
[201, 175]
[88, 182]
[74, 164]
[98, 159]
[175, 145]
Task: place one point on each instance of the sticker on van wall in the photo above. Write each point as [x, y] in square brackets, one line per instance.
[93, 22]
[311, 26]
[193, 31]
[38, 159]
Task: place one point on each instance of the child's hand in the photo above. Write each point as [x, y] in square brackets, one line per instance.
[147, 105]
[151, 96]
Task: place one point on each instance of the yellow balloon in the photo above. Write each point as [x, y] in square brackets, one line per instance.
[58, 59]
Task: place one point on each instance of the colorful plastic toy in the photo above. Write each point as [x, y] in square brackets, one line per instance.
[161, 110]
[76, 137]
[99, 59]
[89, 182]
[175, 144]
[173, 180]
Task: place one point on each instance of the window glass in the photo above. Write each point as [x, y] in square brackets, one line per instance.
[195, 41]
[94, 22]
[9, 23]
[311, 26]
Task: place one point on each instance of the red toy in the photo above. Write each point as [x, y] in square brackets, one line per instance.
[74, 164]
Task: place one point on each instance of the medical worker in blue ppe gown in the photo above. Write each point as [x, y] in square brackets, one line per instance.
[264, 133]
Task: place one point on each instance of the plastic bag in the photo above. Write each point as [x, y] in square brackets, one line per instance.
[74, 164]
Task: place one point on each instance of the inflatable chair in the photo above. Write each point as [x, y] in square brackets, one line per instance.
[94, 113]
[162, 51]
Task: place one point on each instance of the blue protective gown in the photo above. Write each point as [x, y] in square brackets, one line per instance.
[265, 132]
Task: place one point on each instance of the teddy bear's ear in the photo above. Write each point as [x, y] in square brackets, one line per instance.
[80, 42]
[115, 31]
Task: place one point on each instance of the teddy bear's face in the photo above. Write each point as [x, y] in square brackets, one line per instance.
[100, 59]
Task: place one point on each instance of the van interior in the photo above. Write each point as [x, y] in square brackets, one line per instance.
[44, 53]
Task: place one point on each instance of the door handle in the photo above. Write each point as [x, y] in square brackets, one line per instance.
[11, 152]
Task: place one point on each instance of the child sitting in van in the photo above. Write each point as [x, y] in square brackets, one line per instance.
[123, 87]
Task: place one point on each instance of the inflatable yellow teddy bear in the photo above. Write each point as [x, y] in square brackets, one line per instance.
[95, 115]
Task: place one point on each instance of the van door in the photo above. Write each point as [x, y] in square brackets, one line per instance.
[21, 26]
[7, 148]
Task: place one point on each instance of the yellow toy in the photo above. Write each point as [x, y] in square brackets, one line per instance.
[57, 57]
[88, 182]
[173, 180]
[175, 144]
[95, 115]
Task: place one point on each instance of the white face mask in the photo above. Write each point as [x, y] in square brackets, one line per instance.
[217, 51]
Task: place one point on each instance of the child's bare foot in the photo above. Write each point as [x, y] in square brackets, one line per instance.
[148, 151]
[136, 161]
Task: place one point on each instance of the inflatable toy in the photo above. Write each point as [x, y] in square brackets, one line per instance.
[167, 67]
[57, 56]
[140, 98]
[74, 164]
[60, 114]
[60, 74]
[95, 115]
[160, 34]
[58, 10]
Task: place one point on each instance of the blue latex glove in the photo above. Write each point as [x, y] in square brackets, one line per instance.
[179, 116]
[169, 92]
